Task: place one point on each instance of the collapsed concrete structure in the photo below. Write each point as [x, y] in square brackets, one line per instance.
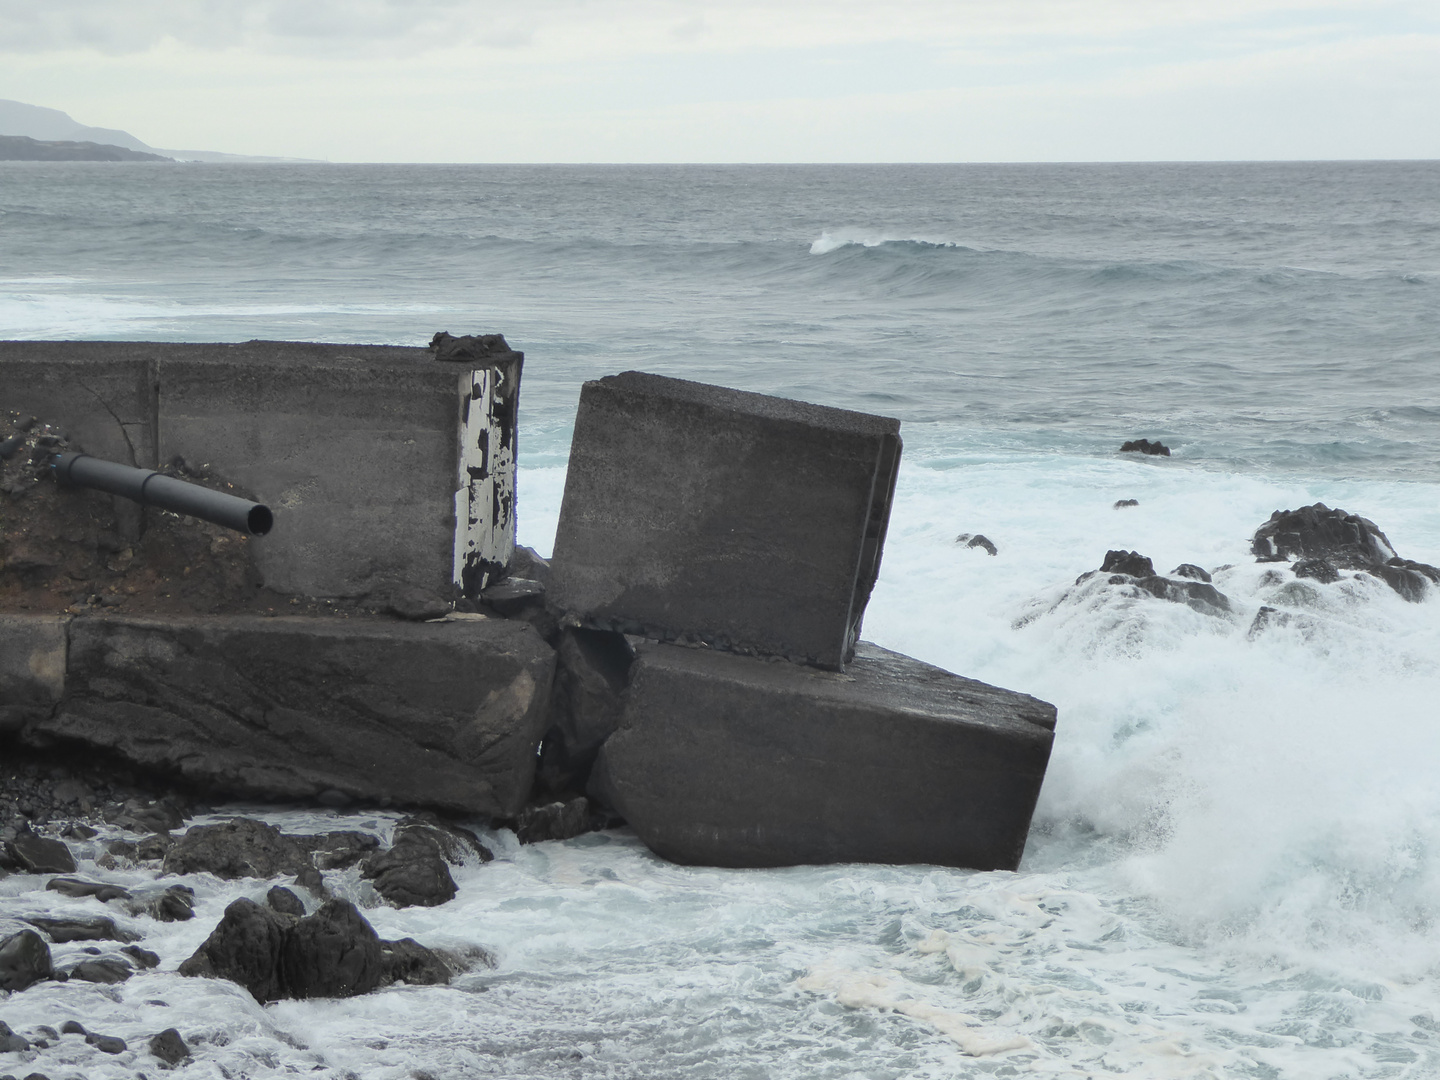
[693, 660]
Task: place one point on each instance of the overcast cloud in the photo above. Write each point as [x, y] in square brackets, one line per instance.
[673, 80]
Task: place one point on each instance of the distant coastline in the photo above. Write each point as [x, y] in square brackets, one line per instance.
[24, 148]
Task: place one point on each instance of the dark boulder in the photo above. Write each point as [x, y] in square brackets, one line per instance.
[143, 957]
[592, 668]
[1408, 578]
[285, 902]
[176, 903]
[74, 887]
[1322, 541]
[244, 948]
[1127, 562]
[107, 970]
[337, 850]
[553, 821]
[1145, 446]
[169, 1047]
[978, 540]
[62, 931]
[412, 873]
[24, 960]
[10, 1043]
[1318, 569]
[1191, 571]
[1344, 540]
[1124, 504]
[1200, 595]
[38, 854]
[410, 962]
[333, 953]
[241, 847]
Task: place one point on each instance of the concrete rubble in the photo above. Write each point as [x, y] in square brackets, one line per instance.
[689, 660]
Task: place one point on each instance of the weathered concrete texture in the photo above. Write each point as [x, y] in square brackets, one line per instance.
[356, 448]
[734, 761]
[750, 522]
[103, 393]
[32, 667]
[355, 451]
[437, 714]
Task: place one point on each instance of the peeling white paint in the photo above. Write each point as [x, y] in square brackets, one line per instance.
[485, 492]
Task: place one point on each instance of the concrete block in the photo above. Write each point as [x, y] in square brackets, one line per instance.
[446, 714]
[728, 760]
[752, 523]
[384, 467]
[32, 667]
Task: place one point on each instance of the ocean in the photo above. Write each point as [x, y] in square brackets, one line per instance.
[1234, 869]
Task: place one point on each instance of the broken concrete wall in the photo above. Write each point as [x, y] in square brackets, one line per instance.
[695, 512]
[356, 448]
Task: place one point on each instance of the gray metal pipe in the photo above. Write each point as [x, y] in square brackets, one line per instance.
[150, 488]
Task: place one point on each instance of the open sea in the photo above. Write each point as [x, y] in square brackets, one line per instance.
[1234, 870]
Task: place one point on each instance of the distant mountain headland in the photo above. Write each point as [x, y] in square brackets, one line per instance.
[53, 128]
[24, 148]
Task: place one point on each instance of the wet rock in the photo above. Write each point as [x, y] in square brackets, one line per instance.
[592, 668]
[410, 962]
[413, 872]
[333, 953]
[1322, 541]
[338, 850]
[1127, 562]
[24, 960]
[146, 816]
[977, 541]
[241, 847]
[169, 1047]
[469, 348]
[107, 1044]
[285, 902]
[553, 821]
[107, 970]
[73, 1027]
[10, 1043]
[1145, 446]
[142, 957]
[76, 888]
[38, 854]
[1200, 595]
[1122, 504]
[62, 931]
[245, 949]
[1318, 569]
[1342, 539]
[175, 904]
[1191, 571]
[1410, 579]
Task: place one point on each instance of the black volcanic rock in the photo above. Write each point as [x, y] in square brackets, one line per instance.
[333, 953]
[1127, 562]
[24, 960]
[1145, 446]
[241, 847]
[1322, 541]
[244, 948]
[39, 854]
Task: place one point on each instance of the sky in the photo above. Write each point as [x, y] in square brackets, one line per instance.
[740, 80]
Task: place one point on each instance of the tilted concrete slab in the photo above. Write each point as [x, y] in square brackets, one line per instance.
[32, 668]
[728, 760]
[750, 522]
[445, 714]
